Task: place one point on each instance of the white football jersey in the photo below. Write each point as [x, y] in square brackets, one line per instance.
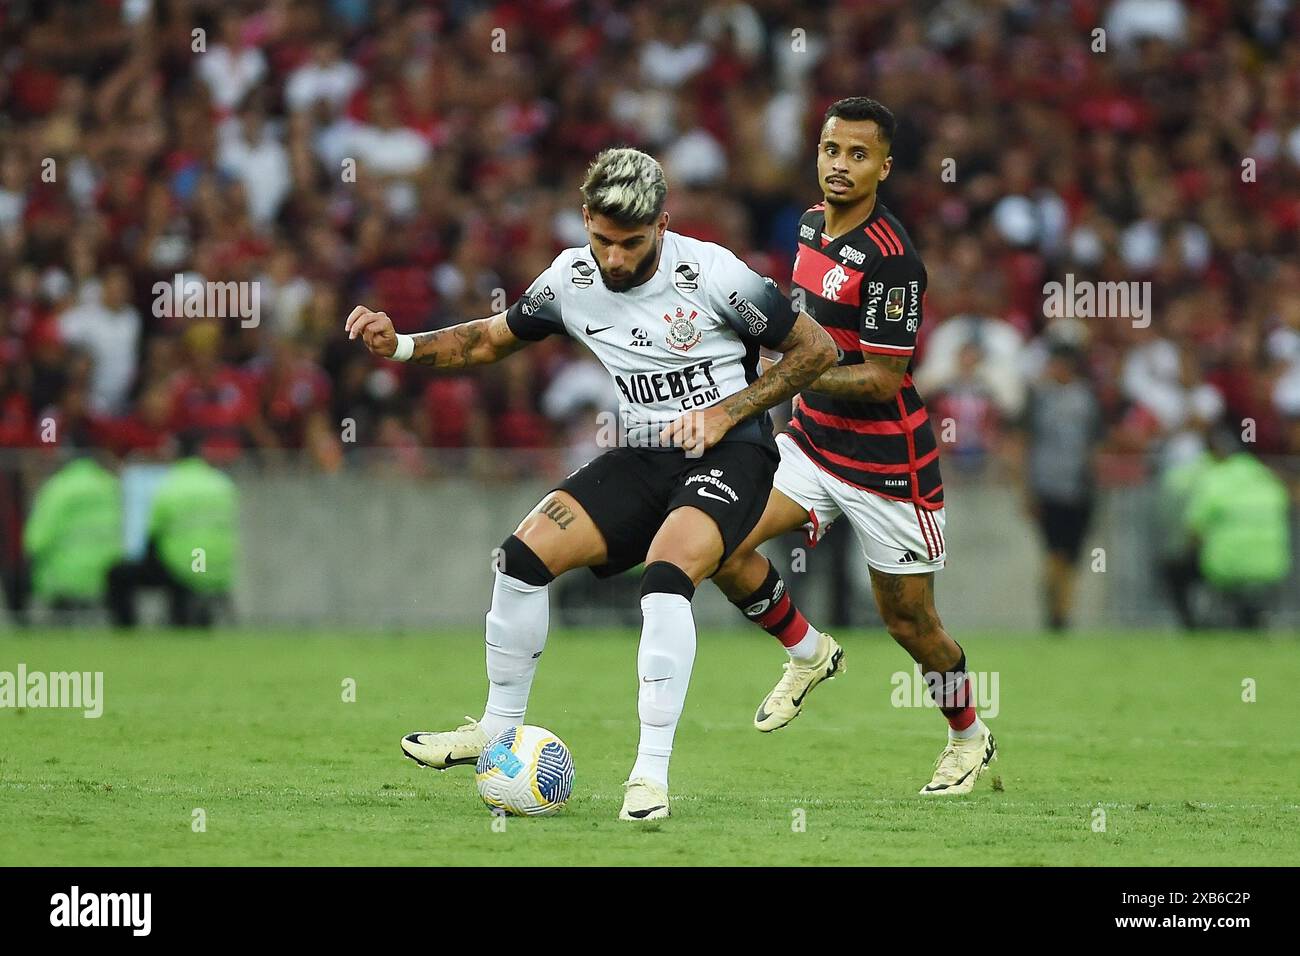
[684, 339]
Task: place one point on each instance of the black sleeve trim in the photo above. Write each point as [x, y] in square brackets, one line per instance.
[536, 316]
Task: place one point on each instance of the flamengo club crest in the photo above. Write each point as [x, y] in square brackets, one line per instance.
[682, 333]
[832, 282]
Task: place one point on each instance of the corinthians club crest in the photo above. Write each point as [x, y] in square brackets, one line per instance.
[682, 333]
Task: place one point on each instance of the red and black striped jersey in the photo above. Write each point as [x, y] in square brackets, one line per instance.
[867, 289]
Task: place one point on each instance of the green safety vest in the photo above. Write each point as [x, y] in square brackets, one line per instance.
[1240, 511]
[73, 534]
[193, 523]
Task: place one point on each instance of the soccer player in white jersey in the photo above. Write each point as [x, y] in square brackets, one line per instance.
[678, 324]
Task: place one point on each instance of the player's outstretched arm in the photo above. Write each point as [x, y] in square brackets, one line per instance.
[478, 342]
[807, 352]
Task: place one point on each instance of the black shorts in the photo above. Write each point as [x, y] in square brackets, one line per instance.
[1064, 525]
[628, 492]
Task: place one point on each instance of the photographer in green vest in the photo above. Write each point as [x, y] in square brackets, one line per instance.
[192, 545]
[73, 535]
[1237, 519]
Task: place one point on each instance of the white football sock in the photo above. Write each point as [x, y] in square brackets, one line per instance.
[975, 727]
[806, 649]
[516, 633]
[663, 664]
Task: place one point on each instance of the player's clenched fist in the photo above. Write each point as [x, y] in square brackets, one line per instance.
[373, 328]
[697, 431]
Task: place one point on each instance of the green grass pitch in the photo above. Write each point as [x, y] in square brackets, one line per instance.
[253, 730]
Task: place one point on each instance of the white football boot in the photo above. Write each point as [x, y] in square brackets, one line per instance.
[450, 748]
[961, 764]
[644, 800]
[785, 701]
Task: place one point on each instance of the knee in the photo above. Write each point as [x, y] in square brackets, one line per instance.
[695, 555]
[517, 558]
[698, 558]
[531, 531]
[665, 577]
[905, 624]
[561, 535]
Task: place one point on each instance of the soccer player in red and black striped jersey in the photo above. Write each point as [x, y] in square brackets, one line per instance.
[860, 445]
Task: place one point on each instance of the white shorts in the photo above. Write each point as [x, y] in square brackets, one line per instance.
[897, 537]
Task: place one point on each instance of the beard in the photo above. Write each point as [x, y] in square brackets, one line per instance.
[635, 277]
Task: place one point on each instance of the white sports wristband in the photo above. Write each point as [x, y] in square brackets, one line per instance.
[405, 348]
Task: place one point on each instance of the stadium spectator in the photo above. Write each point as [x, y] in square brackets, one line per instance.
[145, 432]
[250, 151]
[1173, 404]
[996, 347]
[233, 67]
[326, 78]
[965, 411]
[213, 401]
[109, 330]
[284, 294]
[1021, 156]
[382, 145]
[15, 406]
[1130, 21]
[291, 391]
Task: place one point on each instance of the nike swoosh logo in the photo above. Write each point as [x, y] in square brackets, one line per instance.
[642, 814]
[830, 672]
[653, 680]
[959, 781]
[989, 750]
[708, 494]
[448, 761]
[603, 328]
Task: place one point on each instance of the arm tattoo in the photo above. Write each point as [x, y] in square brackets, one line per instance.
[470, 343]
[448, 348]
[804, 359]
[876, 379]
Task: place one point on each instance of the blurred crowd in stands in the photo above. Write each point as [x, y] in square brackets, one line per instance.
[420, 156]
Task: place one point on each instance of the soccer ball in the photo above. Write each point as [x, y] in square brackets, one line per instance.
[525, 771]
